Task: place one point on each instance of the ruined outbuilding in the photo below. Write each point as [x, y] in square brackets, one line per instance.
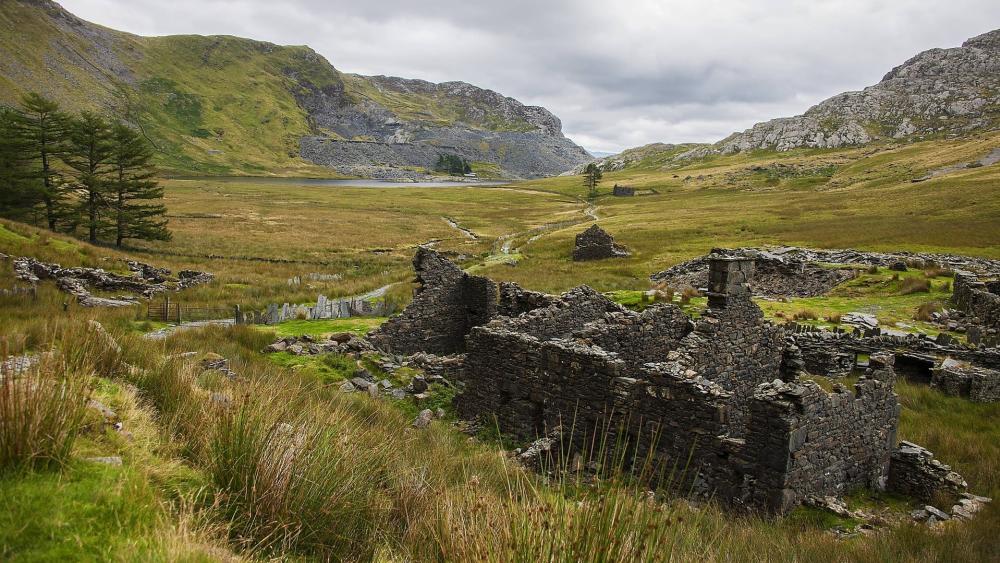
[596, 244]
[717, 402]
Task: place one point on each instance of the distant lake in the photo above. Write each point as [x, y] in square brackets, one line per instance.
[361, 183]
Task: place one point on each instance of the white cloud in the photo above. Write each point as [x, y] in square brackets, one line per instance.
[618, 74]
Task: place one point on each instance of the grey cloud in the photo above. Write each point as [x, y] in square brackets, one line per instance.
[617, 74]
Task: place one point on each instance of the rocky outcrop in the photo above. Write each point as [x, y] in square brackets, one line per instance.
[364, 134]
[78, 282]
[938, 91]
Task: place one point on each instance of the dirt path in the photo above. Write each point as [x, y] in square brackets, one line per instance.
[454, 225]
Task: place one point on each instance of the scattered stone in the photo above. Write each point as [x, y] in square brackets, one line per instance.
[423, 419]
[418, 384]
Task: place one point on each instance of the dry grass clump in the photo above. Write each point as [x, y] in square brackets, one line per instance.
[924, 311]
[805, 315]
[42, 408]
[663, 293]
[938, 272]
[689, 293]
[834, 318]
[914, 285]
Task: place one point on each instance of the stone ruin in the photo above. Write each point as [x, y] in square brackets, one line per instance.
[776, 274]
[980, 301]
[596, 244]
[146, 281]
[622, 191]
[716, 404]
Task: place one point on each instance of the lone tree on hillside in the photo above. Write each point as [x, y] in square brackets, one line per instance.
[132, 190]
[89, 156]
[591, 178]
[45, 130]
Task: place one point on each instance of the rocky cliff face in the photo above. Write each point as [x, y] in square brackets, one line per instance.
[381, 125]
[940, 91]
[226, 104]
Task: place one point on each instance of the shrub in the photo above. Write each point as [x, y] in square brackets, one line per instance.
[915, 285]
[41, 410]
[805, 315]
[873, 269]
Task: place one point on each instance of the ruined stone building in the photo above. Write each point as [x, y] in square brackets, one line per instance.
[595, 244]
[713, 405]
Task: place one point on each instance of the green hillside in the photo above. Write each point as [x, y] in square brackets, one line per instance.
[217, 104]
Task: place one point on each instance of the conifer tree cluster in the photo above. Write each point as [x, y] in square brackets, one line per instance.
[78, 174]
[452, 164]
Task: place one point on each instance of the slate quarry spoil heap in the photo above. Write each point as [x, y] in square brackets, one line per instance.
[716, 402]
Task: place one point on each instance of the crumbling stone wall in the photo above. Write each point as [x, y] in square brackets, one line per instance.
[962, 379]
[735, 348]
[914, 472]
[595, 244]
[638, 338]
[716, 406]
[447, 304]
[981, 301]
[804, 441]
[515, 300]
[530, 386]
[570, 312]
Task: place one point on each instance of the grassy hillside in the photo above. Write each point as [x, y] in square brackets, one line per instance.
[210, 104]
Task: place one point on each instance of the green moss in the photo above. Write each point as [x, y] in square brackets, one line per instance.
[357, 325]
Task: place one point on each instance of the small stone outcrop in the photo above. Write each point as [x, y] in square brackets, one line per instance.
[596, 244]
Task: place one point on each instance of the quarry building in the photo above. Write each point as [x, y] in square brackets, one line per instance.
[716, 406]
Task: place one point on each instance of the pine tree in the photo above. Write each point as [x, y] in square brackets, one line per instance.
[45, 128]
[591, 178]
[89, 155]
[18, 190]
[132, 190]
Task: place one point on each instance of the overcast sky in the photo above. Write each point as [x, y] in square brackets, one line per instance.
[619, 73]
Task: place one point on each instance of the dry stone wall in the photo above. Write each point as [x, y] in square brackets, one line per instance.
[804, 441]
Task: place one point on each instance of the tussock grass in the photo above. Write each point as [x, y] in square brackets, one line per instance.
[914, 285]
[41, 410]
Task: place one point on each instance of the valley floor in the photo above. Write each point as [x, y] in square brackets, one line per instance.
[201, 482]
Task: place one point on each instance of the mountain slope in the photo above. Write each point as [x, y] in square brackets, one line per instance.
[940, 91]
[222, 104]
